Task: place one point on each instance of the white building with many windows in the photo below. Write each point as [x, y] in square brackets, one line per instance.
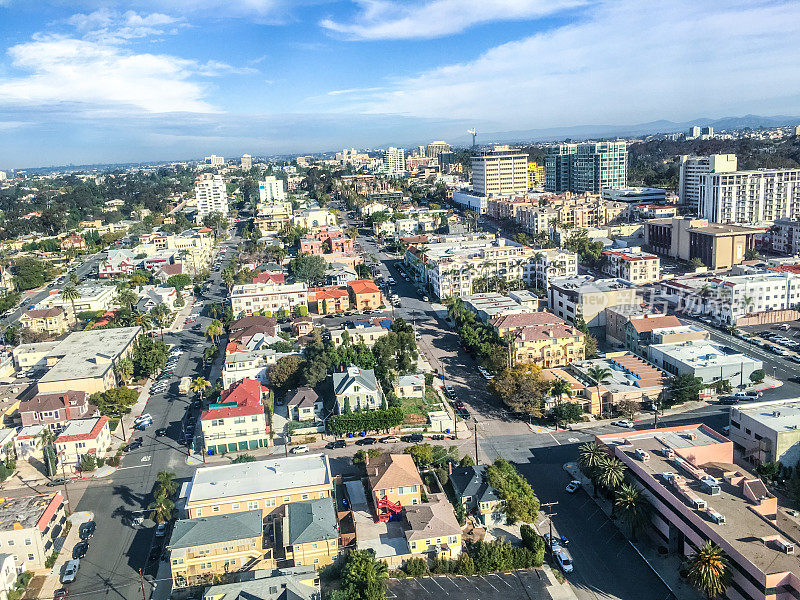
[750, 196]
[211, 195]
[632, 265]
[692, 169]
[500, 173]
[549, 263]
[394, 162]
[271, 190]
[268, 298]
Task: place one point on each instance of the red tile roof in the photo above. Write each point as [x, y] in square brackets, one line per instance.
[330, 294]
[363, 286]
[276, 278]
[98, 427]
[247, 396]
[647, 323]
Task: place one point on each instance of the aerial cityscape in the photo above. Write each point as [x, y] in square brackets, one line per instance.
[383, 300]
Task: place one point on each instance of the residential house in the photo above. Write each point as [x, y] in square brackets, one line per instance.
[82, 437]
[364, 294]
[30, 526]
[357, 389]
[52, 321]
[410, 386]
[338, 274]
[268, 485]
[432, 528]
[27, 444]
[8, 575]
[472, 489]
[244, 330]
[118, 263]
[164, 272]
[358, 335]
[310, 533]
[304, 405]
[241, 363]
[238, 421]
[288, 583]
[302, 326]
[331, 301]
[55, 409]
[394, 480]
[74, 242]
[202, 548]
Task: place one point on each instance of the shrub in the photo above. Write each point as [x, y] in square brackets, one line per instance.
[88, 463]
[244, 458]
[416, 567]
[757, 376]
[51, 560]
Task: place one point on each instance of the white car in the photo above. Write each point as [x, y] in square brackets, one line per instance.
[564, 561]
[302, 449]
[623, 423]
[142, 417]
[573, 486]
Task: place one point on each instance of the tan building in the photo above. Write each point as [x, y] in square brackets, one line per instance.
[273, 217]
[266, 485]
[394, 478]
[410, 386]
[200, 549]
[52, 321]
[268, 298]
[82, 437]
[310, 533]
[548, 345]
[589, 297]
[583, 393]
[364, 294]
[718, 246]
[29, 526]
[644, 330]
[631, 264]
[358, 335]
[238, 422]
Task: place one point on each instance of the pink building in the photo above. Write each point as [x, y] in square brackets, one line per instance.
[698, 495]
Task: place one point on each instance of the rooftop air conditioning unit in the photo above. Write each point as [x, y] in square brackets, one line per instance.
[776, 413]
[785, 547]
[716, 517]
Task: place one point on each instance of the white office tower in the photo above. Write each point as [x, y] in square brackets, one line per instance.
[215, 161]
[271, 190]
[211, 195]
[3, 176]
[394, 162]
[247, 162]
[750, 196]
[500, 173]
[436, 148]
[692, 170]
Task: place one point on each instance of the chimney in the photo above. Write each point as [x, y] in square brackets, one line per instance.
[449, 468]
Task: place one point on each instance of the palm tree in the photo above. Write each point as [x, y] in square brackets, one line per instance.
[611, 473]
[599, 375]
[125, 297]
[633, 507]
[590, 456]
[70, 293]
[124, 370]
[558, 389]
[228, 277]
[143, 320]
[73, 278]
[161, 312]
[161, 509]
[709, 570]
[199, 384]
[45, 440]
[214, 330]
[165, 484]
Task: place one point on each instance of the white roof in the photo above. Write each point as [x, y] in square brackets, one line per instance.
[210, 483]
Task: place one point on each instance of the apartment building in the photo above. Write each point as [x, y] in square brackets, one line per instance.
[330, 301]
[313, 217]
[90, 298]
[750, 196]
[718, 246]
[247, 162]
[211, 195]
[638, 330]
[499, 173]
[310, 533]
[52, 321]
[767, 432]
[692, 170]
[434, 149]
[238, 422]
[81, 437]
[536, 175]
[785, 236]
[569, 296]
[358, 335]
[364, 294]
[29, 527]
[273, 217]
[552, 345]
[268, 298]
[631, 264]
[587, 167]
[394, 162]
[356, 389]
[202, 548]
[56, 409]
[549, 263]
[265, 485]
[271, 190]
[699, 494]
[215, 161]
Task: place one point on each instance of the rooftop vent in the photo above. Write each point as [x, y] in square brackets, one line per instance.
[776, 413]
[784, 546]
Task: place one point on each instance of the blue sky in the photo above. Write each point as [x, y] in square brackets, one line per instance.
[104, 81]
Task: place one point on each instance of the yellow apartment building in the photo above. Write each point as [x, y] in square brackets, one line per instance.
[310, 533]
[265, 485]
[432, 528]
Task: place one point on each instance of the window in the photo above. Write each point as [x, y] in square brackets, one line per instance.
[287, 498]
[199, 512]
[235, 506]
[314, 545]
[322, 494]
[215, 509]
[10, 542]
[28, 541]
[31, 556]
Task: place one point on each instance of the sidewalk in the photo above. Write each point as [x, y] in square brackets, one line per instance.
[666, 567]
[64, 547]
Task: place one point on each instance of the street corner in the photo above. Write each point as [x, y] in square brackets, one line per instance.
[104, 471]
[540, 429]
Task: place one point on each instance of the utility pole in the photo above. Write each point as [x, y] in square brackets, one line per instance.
[550, 516]
[64, 476]
[141, 584]
[477, 461]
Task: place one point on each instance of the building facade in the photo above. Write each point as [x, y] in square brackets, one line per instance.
[692, 170]
[211, 195]
[499, 173]
[750, 196]
[268, 298]
[588, 167]
[631, 264]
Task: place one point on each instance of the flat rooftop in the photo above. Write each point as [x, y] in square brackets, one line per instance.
[627, 371]
[384, 539]
[744, 529]
[87, 354]
[586, 284]
[778, 416]
[23, 512]
[224, 481]
[703, 354]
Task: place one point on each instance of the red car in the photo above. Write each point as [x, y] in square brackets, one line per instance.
[61, 594]
[188, 321]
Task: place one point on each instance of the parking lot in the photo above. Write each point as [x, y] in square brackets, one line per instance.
[522, 584]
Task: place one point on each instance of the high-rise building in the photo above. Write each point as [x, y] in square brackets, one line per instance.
[535, 175]
[436, 148]
[247, 162]
[271, 190]
[215, 161]
[703, 133]
[693, 132]
[500, 173]
[211, 195]
[420, 150]
[3, 176]
[588, 167]
[692, 168]
[750, 196]
[394, 162]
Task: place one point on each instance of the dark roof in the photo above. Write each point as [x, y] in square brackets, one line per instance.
[472, 481]
[310, 521]
[304, 397]
[44, 313]
[54, 401]
[189, 533]
[246, 327]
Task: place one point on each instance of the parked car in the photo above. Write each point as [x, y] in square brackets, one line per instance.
[551, 542]
[143, 417]
[79, 551]
[70, 570]
[729, 400]
[367, 441]
[61, 594]
[134, 445]
[162, 432]
[161, 529]
[57, 482]
[336, 444]
[573, 486]
[623, 423]
[141, 426]
[392, 439]
[87, 530]
[564, 561]
[301, 449]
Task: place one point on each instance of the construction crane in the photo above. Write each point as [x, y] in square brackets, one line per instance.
[474, 132]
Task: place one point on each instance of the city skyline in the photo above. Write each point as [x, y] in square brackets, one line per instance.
[136, 81]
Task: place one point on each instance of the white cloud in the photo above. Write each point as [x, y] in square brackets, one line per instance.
[400, 19]
[626, 62]
[216, 68]
[105, 24]
[64, 70]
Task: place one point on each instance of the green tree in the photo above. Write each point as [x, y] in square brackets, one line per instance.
[611, 473]
[200, 384]
[32, 273]
[757, 376]
[126, 297]
[161, 509]
[568, 412]
[70, 293]
[709, 570]
[421, 453]
[521, 388]
[165, 484]
[363, 577]
[285, 374]
[629, 408]
[149, 356]
[115, 402]
[590, 456]
[179, 281]
[632, 507]
[46, 440]
[215, 330]
[308, 268]
[124, 370]
[599, 375]
[558, 389]
[684, 388]
[519, 501]
[696, 263]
